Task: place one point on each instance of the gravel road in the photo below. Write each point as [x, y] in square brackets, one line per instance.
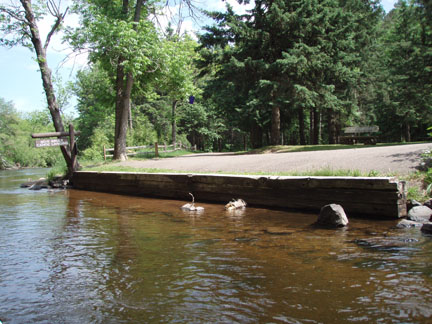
[400, 160]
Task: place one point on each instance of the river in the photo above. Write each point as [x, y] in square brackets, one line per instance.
[82, 257]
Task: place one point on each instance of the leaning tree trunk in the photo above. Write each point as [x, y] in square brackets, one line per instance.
[46, 74]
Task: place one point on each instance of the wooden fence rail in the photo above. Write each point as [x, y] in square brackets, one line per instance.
[156, 148]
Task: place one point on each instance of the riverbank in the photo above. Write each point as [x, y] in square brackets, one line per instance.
[372, 196]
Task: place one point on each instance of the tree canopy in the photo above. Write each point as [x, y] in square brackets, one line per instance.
[285, 72]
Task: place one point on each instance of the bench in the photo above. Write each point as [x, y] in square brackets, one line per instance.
[359, 134]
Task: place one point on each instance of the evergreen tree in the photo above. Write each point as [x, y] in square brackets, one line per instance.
[293, 58]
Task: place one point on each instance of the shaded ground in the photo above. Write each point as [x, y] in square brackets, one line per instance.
[399, 160]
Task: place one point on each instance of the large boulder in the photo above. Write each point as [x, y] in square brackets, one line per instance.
[332, 215]
[420, 214]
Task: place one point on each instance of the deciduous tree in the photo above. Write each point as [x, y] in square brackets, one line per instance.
[19, 26]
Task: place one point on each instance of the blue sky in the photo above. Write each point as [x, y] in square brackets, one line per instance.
[20, 80]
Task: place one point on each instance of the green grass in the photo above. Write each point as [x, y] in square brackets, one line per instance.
[58, 170]
[145, 155]
[326, 172]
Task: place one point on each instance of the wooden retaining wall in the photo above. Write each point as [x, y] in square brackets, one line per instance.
[379, 197]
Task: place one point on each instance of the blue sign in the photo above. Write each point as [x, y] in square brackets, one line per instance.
[191, 99]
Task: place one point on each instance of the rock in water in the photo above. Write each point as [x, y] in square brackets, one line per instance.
[332, 215]
[420, 214]
[405, 223]
[427, 229]
[278, 231]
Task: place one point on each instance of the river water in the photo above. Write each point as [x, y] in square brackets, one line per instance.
[82, 257]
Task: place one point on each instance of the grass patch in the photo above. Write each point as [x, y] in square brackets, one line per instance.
[326, 172]
[146, 155]
[58, 170]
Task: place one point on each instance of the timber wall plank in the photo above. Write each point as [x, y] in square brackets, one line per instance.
[381, 197]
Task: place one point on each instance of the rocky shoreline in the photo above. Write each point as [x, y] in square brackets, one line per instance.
[419, 216]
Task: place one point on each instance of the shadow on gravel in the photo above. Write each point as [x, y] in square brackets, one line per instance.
[412, 156]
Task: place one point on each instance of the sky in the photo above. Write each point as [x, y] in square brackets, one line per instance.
[20, 80]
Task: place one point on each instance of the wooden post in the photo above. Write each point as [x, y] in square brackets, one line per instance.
[156, 149]
[104, 148]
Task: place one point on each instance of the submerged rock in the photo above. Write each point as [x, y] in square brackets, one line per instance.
[405, 223]
[387, 244]
[278, 231]
[420, 214]
[42, 183]
[332, 215]
[427, 229]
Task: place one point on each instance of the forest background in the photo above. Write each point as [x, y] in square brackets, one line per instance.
[285, 72]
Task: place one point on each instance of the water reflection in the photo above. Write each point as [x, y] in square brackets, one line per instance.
[75, 256]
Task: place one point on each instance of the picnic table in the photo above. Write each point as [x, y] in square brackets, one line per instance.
[359, 134]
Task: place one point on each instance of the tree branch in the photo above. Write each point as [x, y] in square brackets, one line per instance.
[19, 15]
[54, 10]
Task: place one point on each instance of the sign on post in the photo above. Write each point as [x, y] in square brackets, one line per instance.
[51, 142]
[71, 158]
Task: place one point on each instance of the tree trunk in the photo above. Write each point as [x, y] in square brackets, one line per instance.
[174, 124]
[46, 79]
[130, 120]
[316, 126]
[256, 135]
[331, 125]
[407, 132]
[124, 83]
[311, 126]
[120, 121]
[275, 125]
[301, 126]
